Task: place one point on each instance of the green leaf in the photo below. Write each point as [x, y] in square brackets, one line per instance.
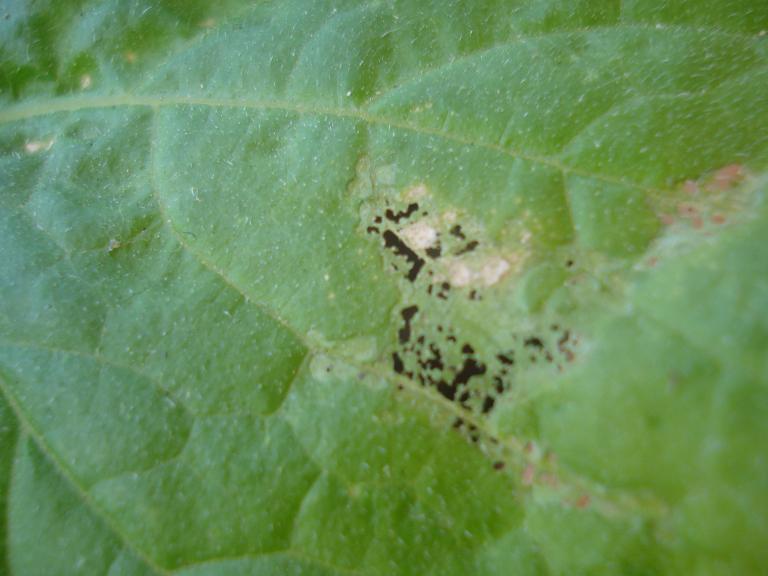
[384, 288]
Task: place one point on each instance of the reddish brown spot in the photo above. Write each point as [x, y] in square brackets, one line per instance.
[551, 458]
[691, 187]
[528, 474]
[718, 219]
[727, 177]
[666, 219]
[697, 222]
[549, 480]
[529, 446]
[498, 465]
[687, 210]
[583, 501]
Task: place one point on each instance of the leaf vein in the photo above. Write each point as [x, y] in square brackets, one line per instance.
[521, 38]
[71, 479]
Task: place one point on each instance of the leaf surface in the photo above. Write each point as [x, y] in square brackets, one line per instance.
[383, 288]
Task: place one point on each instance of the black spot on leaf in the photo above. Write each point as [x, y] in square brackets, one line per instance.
[400, 248]
[402, 215]
[408, 313]
[469, 247]
[457, 231]
[434, 251]
[534, 342]
[397, 363]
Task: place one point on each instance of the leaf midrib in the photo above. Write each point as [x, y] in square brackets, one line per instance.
[76, 104]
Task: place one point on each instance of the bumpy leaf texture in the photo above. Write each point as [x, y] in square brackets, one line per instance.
[399, 287]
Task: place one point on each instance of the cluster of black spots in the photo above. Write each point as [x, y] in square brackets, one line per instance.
[472, 379]
[556, 350]
[443, 290]
[565, 342]
[396, 244]
[471, 430]
[457, 232]
[537, 349]
[456, 371]
[426, 361]
[387, 226]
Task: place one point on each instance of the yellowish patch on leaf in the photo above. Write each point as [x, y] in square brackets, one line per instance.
[487, 271]
[460, 274]
[494, 270]
[449, 217]
[415, 192]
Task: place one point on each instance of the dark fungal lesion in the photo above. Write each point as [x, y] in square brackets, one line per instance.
[422, 244]
[407, 313]
[443, 289]
[430, 350]
[435, 251]
[400, 248]
[468, 247]
[565, 344]
[458, 232]
[395, 217]
[432, 355]
[395, 243]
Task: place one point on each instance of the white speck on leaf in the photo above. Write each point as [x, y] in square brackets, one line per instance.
[420, 235]
[34, 146]
[460, 274]
[494, 270]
